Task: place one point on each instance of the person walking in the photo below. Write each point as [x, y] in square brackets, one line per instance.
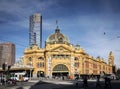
[85, 82]
[98, 82]
[107, 82]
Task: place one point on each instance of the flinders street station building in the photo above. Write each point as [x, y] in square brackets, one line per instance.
[61, 58]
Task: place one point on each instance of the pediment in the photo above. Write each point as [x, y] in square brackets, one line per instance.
[61, 49]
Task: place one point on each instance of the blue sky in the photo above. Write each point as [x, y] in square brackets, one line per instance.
[84, 22]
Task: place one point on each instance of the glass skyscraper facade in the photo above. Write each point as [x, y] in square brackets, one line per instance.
[35, 32]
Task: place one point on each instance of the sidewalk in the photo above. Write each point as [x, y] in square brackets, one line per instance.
[2, 87]
[35, 81]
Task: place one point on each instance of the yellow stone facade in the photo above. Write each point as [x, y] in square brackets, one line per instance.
[60, 57]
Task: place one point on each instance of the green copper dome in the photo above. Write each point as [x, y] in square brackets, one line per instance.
[57, 37]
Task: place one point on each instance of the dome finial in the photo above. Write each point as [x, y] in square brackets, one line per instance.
[57, 24]
[57, 28]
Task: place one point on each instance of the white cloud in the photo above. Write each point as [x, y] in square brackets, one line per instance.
[48, 25]
[23, 9]
[98, 42]
[87, 30]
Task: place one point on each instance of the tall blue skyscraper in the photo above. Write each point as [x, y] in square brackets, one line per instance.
[35, 31]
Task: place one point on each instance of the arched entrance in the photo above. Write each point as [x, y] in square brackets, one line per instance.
[40, 74]
[60, 70]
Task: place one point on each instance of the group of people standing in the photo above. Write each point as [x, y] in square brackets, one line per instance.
[107, 82]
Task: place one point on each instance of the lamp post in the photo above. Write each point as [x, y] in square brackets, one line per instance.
[30, 70]
[30, 73]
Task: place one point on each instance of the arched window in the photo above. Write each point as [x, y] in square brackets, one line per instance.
[30, 59]
[40, 58]
[60, 39]
[40, 74]
[60, 67]
[76, 58]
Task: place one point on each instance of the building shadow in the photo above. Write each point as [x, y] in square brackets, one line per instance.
[19, 88]
[37, 85]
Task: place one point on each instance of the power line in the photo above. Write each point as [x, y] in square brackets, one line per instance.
[7, 40]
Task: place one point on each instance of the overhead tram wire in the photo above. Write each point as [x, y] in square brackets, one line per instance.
[9, 40]
[103, 42]
[19, 15]
[22, 10]
[23, 16]
[27, 18]
[4, 40]
[13, 43]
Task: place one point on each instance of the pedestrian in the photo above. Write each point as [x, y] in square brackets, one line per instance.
[107, 82]
[62, 77]
[76, 84]
[98, 82]
[85, 82]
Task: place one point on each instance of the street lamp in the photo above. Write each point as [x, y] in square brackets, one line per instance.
[30, 70]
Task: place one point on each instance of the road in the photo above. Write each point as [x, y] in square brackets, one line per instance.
[57, 84]
[36, 84]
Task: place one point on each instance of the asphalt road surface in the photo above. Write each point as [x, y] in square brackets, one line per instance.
[58, 84]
